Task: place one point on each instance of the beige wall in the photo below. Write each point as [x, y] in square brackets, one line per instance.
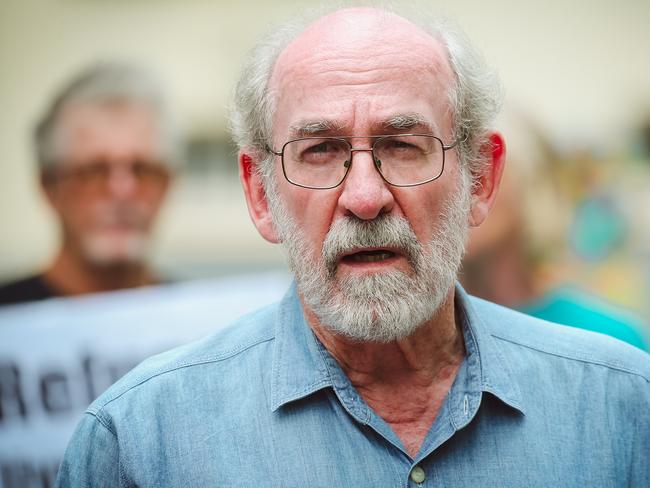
[581, 66]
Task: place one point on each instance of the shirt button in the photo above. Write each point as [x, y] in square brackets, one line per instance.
[418, 475]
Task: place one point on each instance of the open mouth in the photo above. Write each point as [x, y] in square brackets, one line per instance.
[371, 256]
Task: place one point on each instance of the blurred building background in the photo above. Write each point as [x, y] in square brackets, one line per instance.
[579, 70]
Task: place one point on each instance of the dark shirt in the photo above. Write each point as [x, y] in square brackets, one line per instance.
[26, 290]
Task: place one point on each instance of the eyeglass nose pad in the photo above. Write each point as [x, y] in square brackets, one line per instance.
[378, 163]
[347, 164]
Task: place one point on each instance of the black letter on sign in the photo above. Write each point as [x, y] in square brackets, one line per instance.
[12, 402]
[55, 393]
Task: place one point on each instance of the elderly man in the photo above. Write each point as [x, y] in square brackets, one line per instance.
[104, 149]
[366, 150]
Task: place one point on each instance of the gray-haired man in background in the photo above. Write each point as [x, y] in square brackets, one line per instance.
[366, 148]
[105, 148]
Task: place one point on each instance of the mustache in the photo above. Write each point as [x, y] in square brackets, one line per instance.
[126, 214]
[388, 231]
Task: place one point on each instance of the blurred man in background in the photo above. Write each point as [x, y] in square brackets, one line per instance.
[105, 149]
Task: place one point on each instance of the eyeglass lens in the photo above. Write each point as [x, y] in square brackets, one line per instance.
[402, 160]
[96, 175]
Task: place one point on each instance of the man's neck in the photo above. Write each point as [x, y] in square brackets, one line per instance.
[405, 382]
[72, 275]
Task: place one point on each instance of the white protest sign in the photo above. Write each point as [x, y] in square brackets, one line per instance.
[56, 356]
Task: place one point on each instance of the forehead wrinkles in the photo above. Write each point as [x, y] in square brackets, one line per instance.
[364, 46]
[359, 59]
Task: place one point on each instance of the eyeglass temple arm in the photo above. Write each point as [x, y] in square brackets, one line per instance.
[455, 143]
[272, 151]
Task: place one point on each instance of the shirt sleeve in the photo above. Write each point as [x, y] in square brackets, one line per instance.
[91, 458]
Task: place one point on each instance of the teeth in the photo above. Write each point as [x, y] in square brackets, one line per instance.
[371, 257]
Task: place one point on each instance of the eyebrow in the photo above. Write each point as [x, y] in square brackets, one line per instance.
[306, 128]
[409, 121]
[397, 122]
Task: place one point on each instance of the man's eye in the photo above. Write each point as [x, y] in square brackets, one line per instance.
[401, 145]
[397, 146]
[323, 147]
[323, 152]
[93, 171]
[142, 169]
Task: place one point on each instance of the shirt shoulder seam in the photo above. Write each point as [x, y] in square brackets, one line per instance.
[607, 364]
[102, 422]
[177, 366]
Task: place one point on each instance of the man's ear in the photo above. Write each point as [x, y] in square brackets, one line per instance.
[258, 205]
[487, 183]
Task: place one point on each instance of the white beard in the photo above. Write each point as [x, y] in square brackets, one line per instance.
[105, 250]
[103, 247]
[379, 307]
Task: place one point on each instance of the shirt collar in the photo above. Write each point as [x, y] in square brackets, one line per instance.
[484, 357]
[299, 369]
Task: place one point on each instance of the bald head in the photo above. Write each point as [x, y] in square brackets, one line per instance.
[366, 36]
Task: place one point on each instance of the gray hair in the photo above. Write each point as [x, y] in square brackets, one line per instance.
[107, 83]
[475, 100]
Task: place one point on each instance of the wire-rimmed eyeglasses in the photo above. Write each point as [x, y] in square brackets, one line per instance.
[403, 160]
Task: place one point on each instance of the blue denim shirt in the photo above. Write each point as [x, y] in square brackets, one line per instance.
[263, 404]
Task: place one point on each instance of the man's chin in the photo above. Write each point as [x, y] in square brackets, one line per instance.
[116, 250]
[372, 307]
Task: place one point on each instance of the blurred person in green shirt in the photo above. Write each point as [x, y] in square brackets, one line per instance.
[519, 260]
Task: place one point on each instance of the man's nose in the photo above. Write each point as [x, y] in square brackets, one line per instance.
[122, 182]
[365, 193]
